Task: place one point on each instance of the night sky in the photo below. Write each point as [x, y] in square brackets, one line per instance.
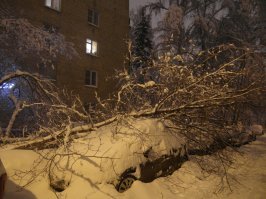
[133, 4]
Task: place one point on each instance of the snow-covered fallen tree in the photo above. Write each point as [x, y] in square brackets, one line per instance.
[192, 96]
[198, 94]
[204, 95]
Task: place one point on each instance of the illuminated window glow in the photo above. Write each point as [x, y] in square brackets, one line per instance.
[54, 4]
[91, 47]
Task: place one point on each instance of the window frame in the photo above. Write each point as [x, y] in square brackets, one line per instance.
[48, 72]
[90, 107]
[50, 28]
[90, 52]
[89, 84]
[94, 13]
[52, 5]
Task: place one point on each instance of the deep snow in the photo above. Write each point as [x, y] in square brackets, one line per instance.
[187, 182]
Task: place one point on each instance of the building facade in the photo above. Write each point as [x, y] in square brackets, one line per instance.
[97, 28]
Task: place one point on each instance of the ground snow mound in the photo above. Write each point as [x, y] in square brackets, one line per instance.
[106, 153]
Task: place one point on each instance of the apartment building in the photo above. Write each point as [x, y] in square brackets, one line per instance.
[97, 28]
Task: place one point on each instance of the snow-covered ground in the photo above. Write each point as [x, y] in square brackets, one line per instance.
[249, 172]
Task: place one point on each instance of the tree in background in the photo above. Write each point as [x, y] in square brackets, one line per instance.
[192, 26]
[202, 24]
[142, 44]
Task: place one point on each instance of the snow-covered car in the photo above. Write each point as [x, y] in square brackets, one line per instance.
[3, 178]
[119, 154]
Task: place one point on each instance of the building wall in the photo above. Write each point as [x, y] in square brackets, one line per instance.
[72, 22]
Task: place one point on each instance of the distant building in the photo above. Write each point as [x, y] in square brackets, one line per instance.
[97, 28]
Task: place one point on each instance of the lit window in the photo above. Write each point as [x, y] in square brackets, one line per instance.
[91, 78]
[54, 4]
[91, 47]
[93, 17]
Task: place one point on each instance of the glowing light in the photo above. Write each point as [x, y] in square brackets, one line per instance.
[7, 86]
[91, 47]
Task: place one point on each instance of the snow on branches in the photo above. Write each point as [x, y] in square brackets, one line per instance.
[26, 47]
[199, 94]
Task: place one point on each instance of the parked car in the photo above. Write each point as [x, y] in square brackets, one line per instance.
[3, 178]
[119, 154]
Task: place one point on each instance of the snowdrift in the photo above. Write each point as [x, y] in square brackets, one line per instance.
[103, 155]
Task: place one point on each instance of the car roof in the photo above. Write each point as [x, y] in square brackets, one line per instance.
[107, 152]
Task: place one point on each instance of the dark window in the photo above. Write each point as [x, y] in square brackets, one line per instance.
[90, 107]
[93, 17]
[91, 78]
[47, 71]
[50, 28]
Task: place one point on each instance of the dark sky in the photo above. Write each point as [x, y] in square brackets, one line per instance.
[133, 4]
